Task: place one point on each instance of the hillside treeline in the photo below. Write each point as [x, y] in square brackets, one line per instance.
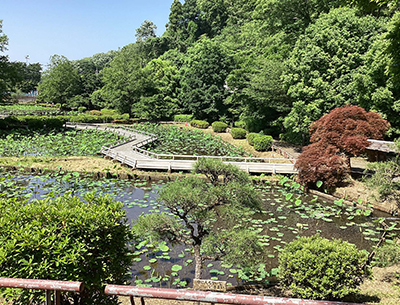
[272, 65]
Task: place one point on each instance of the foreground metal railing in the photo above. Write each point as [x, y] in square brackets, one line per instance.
[207, 297]
[156, 293]
[47, 285]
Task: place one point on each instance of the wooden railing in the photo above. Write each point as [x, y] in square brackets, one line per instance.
[222, 158]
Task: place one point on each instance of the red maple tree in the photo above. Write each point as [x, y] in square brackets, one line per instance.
[335, 137]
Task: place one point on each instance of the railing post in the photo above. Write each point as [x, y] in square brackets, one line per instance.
[57, 298]
[48, 297]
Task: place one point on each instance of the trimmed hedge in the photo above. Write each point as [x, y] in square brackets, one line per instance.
[219, 126]
[238, 133]
[33, 122]
[183, 118]
[250, 137]
[262, 143]
[199, 124]
[319, 269]
[87, 118]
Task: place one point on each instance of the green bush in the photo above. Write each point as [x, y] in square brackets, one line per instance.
[387, 255]
[35, 123]
[108, 112]
[54, 122]
[219, 126]
[68, 239]
[183, 117]
[238, 133]
[82, 109]
[199, 124]
[317, 268]
[87, 118]
[250, 137]
[262, 143]
[240, 124]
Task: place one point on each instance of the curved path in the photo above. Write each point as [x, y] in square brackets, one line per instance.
[129, 152]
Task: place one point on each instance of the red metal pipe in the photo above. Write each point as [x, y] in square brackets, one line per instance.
[210, 297]
[41, 284]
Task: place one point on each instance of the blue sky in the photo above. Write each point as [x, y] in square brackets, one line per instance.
[73, 28]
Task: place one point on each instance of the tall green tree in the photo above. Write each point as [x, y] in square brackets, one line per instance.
[205, 216]
[29, 76]
[8, 71]
[90, 73]
[124, 81]
[292, 16]
[258, 93]
[324, 64]
[174, 27]
[203, 78]
[214, 16]
[160, 99]
[60, 82]
[146, 30]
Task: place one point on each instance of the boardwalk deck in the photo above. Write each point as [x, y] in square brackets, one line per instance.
[130, 153]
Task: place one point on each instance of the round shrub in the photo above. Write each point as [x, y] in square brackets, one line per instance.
[317, 268]
[199, 124]
[262, 143]
[250, 137]
[219, 126]
[238, 133]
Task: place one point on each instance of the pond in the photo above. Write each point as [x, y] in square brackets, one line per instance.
[286, 214]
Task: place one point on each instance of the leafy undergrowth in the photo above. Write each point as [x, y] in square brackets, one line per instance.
[22, 142]
[175, 140]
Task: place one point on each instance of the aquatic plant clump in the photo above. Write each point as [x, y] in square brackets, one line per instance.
[174, 140]
[21, 142]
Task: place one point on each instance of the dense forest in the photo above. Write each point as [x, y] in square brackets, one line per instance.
[270, 65]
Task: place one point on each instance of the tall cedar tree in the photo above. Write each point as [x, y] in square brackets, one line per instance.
[336, 136]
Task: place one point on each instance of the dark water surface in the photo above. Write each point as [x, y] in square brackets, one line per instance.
[286, 214]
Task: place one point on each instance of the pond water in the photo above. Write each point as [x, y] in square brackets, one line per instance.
[286, 214]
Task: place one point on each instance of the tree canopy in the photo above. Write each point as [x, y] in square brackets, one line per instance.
[273, 65]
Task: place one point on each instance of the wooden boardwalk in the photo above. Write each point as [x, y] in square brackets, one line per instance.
[129, 152]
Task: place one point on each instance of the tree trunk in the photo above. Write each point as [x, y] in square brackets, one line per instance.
[198, 262]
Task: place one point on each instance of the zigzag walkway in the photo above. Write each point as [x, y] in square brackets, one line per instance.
[129, 152]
